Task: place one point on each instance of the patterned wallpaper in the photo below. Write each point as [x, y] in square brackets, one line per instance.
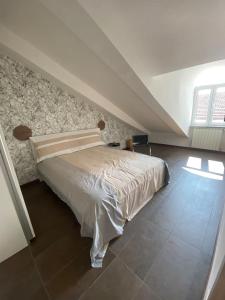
[29, 99]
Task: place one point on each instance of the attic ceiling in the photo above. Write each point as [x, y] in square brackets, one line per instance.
[115, 46]
[161, 36]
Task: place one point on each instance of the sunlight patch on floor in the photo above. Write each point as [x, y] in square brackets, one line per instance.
[194, 162]
[216, 166]
[204, 174]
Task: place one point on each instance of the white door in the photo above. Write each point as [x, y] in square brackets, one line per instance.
[12, 238]
[14, 188]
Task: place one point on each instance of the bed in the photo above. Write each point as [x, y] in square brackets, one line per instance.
[103, 186]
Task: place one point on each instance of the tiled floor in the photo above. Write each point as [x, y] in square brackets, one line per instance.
[164, 254]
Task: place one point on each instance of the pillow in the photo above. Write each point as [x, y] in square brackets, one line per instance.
[52, 145]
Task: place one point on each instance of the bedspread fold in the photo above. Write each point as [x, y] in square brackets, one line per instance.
[104, 187]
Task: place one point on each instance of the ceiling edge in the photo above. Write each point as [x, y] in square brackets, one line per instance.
[39, 61]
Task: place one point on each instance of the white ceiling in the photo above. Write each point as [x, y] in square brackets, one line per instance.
[33, 22]
[117, 46]
[161, 36]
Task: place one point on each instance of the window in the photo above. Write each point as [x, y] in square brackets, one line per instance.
[209, 106]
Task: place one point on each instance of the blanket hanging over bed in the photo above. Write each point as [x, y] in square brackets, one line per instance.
[104, 187]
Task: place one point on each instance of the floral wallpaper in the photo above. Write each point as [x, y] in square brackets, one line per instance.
[27, 98]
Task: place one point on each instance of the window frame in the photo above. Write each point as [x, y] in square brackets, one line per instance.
[208, 123]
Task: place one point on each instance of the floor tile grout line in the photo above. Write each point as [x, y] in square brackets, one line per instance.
[145, 285]
[100, 275]
[123, 247]
[133, 235]
[160, 298]
[168, 239]
[177, 237]
[60, 270]
[205, 232]
[39, 274]
[136, 276]
[135, 294]
[130, 270]
[63, 268]
[205, 229]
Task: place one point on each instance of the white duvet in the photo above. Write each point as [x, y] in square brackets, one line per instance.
[104, 187]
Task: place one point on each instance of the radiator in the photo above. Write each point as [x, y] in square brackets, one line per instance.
[207, 138]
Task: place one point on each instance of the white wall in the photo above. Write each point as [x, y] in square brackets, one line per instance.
[175, 91]
[218, 260]
[169, 139]
[12, 238]
[175, 140]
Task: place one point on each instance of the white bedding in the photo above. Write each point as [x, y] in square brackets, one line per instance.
[104, 187]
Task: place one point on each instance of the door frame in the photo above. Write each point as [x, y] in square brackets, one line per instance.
[14, 188]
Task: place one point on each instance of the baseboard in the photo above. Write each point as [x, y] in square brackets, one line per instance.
[189, 148]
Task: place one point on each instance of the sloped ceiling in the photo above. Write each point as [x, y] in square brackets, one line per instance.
[161, 36]
[115, 47]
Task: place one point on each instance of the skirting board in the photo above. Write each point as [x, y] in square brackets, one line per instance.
[188, 147]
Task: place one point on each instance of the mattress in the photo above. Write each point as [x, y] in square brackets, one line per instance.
[104, 187]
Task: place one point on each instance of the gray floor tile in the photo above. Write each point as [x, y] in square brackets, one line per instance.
[171, 275]
[145, 293]
[75, 279]
[117, 283]
[140, 253]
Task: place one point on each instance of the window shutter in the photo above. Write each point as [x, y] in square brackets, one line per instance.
[201, 107]
[218, 107]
